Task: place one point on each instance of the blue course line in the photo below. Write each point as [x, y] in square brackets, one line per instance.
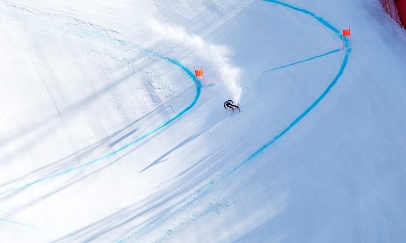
[301, 116]
[206, 188]
[306, 60]
[21, 224]
[320, 19]
[311, 107]
[198, 91]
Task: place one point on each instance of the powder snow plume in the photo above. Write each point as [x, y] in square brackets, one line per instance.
[215, 57]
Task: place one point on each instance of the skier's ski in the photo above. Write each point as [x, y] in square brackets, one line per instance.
[239, 110]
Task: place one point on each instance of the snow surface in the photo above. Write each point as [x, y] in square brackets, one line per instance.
[106, 136]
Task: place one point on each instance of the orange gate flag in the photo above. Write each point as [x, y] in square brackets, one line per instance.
[199, 72]
[346, 32]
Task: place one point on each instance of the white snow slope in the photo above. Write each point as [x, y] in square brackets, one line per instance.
[106, 136]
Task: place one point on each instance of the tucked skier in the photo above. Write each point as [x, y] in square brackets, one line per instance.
[230, 104]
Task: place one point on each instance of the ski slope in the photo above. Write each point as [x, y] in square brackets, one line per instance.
[107, 137]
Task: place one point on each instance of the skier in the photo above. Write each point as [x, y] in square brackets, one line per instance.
[230, 104]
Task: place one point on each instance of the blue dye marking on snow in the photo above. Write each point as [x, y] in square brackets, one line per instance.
[318, 18]
[301, 116]
[206, 188]
[198, 91]
[306, 60]
[178, 64]
[21, 224]
[312, 106]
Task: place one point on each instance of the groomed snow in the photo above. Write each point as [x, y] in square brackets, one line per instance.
[107, 137]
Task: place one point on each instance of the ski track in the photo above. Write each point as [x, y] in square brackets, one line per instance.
[198, 91]
[206, 188]
[130, 44]
[97, 29]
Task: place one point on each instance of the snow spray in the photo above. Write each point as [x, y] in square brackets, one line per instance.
[213, 56]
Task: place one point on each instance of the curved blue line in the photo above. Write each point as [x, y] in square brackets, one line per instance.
[318, 18]
[301, 116]
[198, 91]
[311, 107]
[206, 188]
[321, 97]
